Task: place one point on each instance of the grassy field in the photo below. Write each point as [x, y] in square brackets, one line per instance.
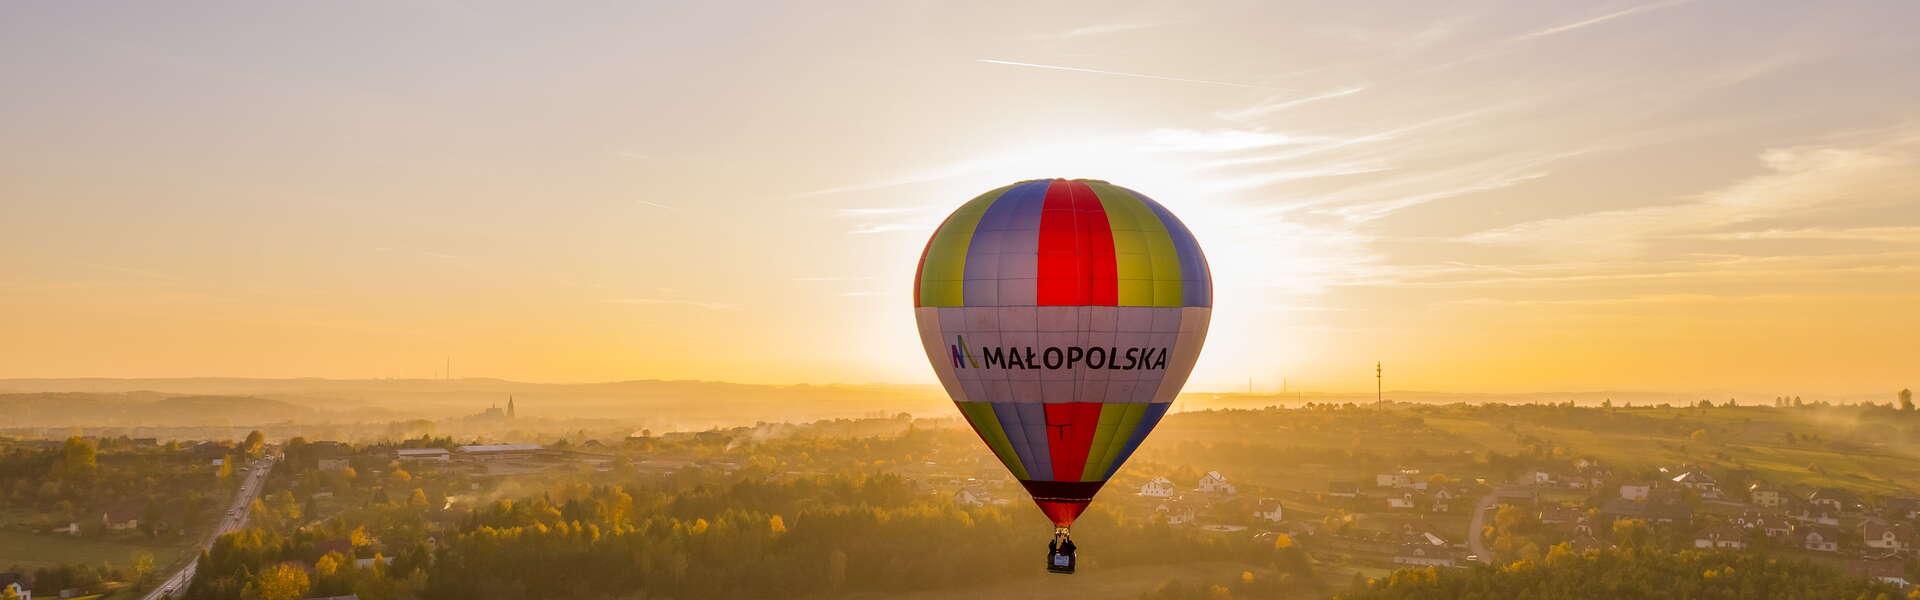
[32, 551]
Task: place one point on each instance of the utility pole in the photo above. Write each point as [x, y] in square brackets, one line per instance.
[1378, 397]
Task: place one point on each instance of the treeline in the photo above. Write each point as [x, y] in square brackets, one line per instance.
[749, 537]
[1629, 572]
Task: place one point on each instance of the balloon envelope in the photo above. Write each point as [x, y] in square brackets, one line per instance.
[1062, 317]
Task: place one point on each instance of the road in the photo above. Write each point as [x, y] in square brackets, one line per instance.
[1481, 509]
[233, 519]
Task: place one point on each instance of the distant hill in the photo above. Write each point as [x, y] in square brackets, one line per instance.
[665, 405]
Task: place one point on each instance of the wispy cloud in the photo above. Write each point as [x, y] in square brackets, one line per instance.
[1849, 234]
[1627, 12]
[656, 205]
[1801, 181]
[1282, 103]
[674, 302]
[1218, 140]
[1093, 30]
[1116, 73]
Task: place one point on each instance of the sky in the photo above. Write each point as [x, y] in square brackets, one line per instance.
[1525, 196]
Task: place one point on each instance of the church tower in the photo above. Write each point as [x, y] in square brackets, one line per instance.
[509, 407]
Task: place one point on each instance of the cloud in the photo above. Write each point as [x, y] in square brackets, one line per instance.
[1094, 30]
[1800, 182]
[1115, 73]
[1600, 19]
[655, 205]
[1850, 234]
[1277, 104]
[1219, 140]
[674, 302]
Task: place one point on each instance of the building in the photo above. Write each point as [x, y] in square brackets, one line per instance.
[1423, 555]
[1175, 513]
[1270, 510]
[1343, 489]
[1834, 500]
[1881, 535]
[1402, 501]
[1763, 495]
[1820, 538]
[120, 520]
[1771, 525]
[1821, 516]
[1721, 535]
[1160, 487]
[16, 583]
[1635, 491]
[1901, 507]
[334, 463]
[498, 451]
[1698, 481]
[974, 497]
[423, 455]
[1215, 483]
[1406, 479]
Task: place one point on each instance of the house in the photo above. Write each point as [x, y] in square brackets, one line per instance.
[1820, 516]
[1892, 572]
[1820, 538]
[70, 528]
[1635, 491]
[1901, 507]
[1698, 481]
[1174, 513]
[16, 583]
[1536, 477]
[1763, 495]
[1404, 500]
[1423, 555]
[1215, 483]
[1403, 479]
[367, 563]
[120, 520]
[1443, 498]
[334, 463]
[422, 455]
[498, 451]
[1270, 510]
[1160, 487]
[1881, 535]
[1559, 514]
[1835, 500]
[1720, 535]
[1771, 525]
[1343, 489]
[975, 497]
[1656, 511]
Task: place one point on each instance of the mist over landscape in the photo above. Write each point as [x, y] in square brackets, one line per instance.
[1266, 300]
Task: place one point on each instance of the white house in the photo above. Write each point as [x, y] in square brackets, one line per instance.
[1820, 516]
[1536, 477]
[1400, 501]
[1175, 514]
[1270, 510]
[1698, 481]
[972, 497]
[1884, 536]
[1635, 491]
[1215, 483]
[1160, 487]
[423, 455]
[1720, 536]
[1763, 495]
[1423, 555]
[1821, 539]
[17, 583]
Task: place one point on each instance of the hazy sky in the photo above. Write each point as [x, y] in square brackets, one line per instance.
[1486, 196]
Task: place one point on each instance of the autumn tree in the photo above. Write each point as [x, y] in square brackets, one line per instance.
[283, 581]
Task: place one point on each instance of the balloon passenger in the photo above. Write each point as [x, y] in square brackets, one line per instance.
[1060, 553]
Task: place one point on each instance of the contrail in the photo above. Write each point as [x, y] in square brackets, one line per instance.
[1118, 73]
[1602, 18]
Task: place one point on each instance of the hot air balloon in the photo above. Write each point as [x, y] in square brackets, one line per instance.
[1062, 316]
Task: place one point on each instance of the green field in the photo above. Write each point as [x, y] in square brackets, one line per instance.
[31, 551]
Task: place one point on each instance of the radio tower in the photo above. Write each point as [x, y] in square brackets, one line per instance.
[1378, 397]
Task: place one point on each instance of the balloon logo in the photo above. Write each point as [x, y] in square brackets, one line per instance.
[1062, 316]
